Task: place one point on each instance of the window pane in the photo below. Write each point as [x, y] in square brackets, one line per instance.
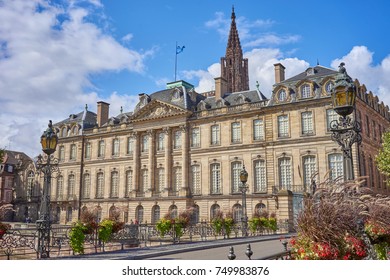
[236, 182]
[258, 130]
[307, 123]
[215, 178]
[283, 126]
[285, 172]
[260, 179]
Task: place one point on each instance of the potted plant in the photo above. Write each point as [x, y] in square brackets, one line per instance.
[77, 237]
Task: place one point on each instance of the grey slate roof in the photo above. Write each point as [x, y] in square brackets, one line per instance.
[319, 71]
[86, 119]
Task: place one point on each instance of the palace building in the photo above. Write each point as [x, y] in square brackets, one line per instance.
[183, 149]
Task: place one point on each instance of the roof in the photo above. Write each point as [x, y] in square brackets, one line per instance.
[310, 73]
[86, 118]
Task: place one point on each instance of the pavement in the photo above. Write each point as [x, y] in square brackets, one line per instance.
[140, 253]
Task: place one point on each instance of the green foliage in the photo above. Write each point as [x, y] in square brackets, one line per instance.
[383, 157]
[77, 237]
[105, 230]
[223, 222]
[163, 226]
[263, 222]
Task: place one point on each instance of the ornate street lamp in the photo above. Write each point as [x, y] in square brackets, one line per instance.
[345, 131]
[243, 189]
[46, 165]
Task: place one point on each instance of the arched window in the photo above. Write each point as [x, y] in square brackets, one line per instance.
[195, 214]
[214, 211]
[259, 208]
[69, 213]
[114, 213]
[237, 213]
[235, 171]
[30, 184]
[64, 132]
[71, 186]
[155, 214]
[60, 187]
[215, 178]
[100, 185]
[87, 185]
[173, 211]
[260, 182]
[139, 213]
[129, 182]
[282, 96]
[114, 188]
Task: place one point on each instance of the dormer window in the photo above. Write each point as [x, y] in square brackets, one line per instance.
[310, 72]
[143, 99]
[282, 95]
[328, 87]
[305, 91]
[176, 94]
[219, 104]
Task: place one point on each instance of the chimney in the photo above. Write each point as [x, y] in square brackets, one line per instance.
[102, 112]
[220, 87]
[279, 73]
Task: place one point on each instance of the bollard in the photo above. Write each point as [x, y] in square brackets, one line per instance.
[248, 251]
[231, 255]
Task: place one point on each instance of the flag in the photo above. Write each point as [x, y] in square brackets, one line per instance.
[179, 49]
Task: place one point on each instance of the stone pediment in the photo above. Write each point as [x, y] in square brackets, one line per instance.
[157, 109]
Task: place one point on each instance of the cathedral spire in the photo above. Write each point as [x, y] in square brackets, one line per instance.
[234, 68]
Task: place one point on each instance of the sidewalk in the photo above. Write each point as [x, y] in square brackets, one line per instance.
[156, 251]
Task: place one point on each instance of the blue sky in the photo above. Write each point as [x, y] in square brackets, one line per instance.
[57, 56]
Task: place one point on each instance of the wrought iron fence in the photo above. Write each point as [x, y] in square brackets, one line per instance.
[22, 243]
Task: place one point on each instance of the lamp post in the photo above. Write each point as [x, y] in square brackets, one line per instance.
[345, 131]
[46, 165]
[243, 189]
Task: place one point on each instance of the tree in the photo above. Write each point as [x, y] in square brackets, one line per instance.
[2, 153]
[383, 157]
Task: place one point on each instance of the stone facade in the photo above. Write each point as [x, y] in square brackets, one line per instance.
[181, 149]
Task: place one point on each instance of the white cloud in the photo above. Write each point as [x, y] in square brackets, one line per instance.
[205, 78]
[359, 65]
[47, 56]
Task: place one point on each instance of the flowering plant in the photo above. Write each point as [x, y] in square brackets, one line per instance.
[377, 232]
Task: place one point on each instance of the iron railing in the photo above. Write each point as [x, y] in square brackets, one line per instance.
[22, 242]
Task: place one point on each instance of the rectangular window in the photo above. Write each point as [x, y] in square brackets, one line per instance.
[285, 172]
[283, 126]
[129, 182]
[160, 179]
[331, 115]
[307, 123]
[161, 141]
[177, 178]
[309, 170]
[215, 178]
[101, 149]
[88, 149]
[236, 182]
[61, 154]
[368, 126]
[336, 166]
[177, 139]
[73, 152]
[236, 132]
[259, 172]
[215, 135]
[258, 130]
[145, 143]
[130, 145]
[86, 185]
[144, 184]
[114, 184]
[100, 185]
[195, 137]
[195, 172]
[115, 147]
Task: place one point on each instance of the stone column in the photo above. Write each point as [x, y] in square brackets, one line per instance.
[136, 163]
[168, 160]
[184, 150]
[151, 162]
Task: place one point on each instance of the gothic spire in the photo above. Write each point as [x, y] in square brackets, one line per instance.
[234, 68]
